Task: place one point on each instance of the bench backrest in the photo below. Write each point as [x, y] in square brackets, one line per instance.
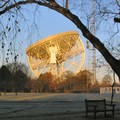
[99, 103]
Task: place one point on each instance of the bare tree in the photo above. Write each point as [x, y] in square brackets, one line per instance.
[116, 19]
[107, 80]
[6, 79]
[8, 6]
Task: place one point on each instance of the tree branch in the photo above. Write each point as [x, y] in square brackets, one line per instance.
[117, 20]
[4, 4]
[16, 4]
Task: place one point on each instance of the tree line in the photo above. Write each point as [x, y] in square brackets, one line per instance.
[16, 79]
[13, 80]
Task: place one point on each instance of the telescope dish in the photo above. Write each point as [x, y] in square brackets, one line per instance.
[57, 54]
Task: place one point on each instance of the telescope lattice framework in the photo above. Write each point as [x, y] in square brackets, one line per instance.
[57, 54]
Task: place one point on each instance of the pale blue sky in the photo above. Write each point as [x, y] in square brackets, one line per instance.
[47, 22]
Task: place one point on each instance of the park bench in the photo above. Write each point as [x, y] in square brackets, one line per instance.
[95, 106]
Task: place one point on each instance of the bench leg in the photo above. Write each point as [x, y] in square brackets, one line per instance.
[86, 114]
[95, 115]
[113, 113]
[95, 112]
[105, 114]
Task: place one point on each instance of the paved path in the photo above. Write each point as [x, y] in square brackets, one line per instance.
[50, 106]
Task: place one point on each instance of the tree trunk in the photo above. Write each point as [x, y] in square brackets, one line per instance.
[113, 88]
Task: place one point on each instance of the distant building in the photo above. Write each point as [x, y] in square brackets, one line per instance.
[108, 89]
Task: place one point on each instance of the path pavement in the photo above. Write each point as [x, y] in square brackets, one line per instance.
[50, 107]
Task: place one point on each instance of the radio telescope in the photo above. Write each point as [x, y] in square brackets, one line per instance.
[57, 54]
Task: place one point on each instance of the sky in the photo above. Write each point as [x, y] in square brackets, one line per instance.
[44, 23]
[51, 23]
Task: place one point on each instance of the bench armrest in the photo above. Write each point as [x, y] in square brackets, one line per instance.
[110, 104]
